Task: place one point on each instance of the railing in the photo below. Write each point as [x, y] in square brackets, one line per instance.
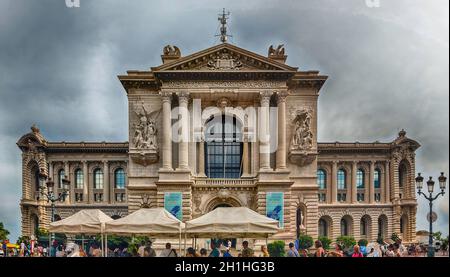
[226, 182]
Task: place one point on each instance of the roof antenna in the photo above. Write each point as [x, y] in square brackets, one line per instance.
[223, 28]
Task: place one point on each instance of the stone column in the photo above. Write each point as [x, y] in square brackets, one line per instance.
[354, 185]
[334, 183]
[67, 176]
[387, 182]
[167, 130]
[201, 158]
[183, 154]
[245, 158]
[371, 183]
[105, 181]
[85, 182]
[281, 149]
[264, 148]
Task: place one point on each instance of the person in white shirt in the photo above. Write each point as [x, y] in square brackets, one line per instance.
[168, 252]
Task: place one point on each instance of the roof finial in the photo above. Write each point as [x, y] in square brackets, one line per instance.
[223, 28]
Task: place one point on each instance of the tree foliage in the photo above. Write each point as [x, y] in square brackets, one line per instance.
[326, 242]
[305, 242]
[346, 242]
[276, 248]
[3, 232]
[363, 242]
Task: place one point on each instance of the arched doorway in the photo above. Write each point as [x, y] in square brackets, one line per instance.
[225, 240]
[365, 227]
[325, 227]
[346, 226]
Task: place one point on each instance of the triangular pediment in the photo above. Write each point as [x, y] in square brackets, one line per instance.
[224, 57]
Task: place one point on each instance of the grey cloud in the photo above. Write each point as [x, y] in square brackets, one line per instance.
[388, 69]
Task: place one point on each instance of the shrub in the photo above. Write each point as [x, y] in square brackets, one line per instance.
[380, 239]
[363, 242]
[325, 242]
[276, 248]
[395, 237]
[305, 242]
[346, 242]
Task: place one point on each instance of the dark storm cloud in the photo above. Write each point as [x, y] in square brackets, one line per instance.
[388, 69]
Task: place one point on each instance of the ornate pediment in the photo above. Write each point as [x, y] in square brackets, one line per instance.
[224, 57]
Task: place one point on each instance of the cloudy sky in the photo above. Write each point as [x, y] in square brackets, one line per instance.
[388, 69]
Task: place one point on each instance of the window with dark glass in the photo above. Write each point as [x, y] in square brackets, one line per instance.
[360, 179]
[344, 227]
[223, 147]
[341, 179]
[323, 228]
[79, 182]
[377, 178]
[321, 179]
[98, 179]
[119, 178]
[61, 176]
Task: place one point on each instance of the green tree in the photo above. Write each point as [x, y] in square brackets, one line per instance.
[276, 248]
[346, 242]
[3, 232]
[363, 242]
[305, 242]
[395, 237]
[437, 235]
[326, 242]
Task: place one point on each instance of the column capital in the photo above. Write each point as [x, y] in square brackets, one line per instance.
[183, 96]
[281, 96]
[265, 96]
[166, 95]
[105, 162]
[355, 162]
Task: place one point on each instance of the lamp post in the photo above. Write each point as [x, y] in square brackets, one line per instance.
[48, 192]
[430, 185]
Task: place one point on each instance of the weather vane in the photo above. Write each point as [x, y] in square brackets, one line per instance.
[223, 28]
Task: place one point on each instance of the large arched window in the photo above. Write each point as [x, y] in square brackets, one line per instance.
[377, 178]
[223, 139]
[119, 178]
[61, 176]
[360, 179]
[323, 228]
[341, 179]
[344, 227]
[321, 179]
[79, 181]
[98, 179]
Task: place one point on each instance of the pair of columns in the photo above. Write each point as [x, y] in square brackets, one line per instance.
[264, 131]
[183, 154]
[183, 99]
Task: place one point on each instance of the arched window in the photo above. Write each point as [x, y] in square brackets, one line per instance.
[322, 179]
[79, 179]
[402, 175]
[360, 179]
[98, 179]
[61, 176]
[341, 179]
[377, 178]
[344, 227]
[364, 226]
[223, 139]
[119, 178]
[323, 228]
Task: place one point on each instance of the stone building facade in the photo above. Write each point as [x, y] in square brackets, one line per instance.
[229, 127]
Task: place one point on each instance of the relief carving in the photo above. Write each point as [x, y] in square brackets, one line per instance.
[224, 61]
[145, 131]
[303, 135]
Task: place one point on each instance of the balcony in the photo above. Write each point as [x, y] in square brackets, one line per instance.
[225, 182]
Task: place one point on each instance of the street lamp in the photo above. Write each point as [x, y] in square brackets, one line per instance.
[49, 193]
[430, 185]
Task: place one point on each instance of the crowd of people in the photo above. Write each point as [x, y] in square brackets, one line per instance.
[217, 249]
